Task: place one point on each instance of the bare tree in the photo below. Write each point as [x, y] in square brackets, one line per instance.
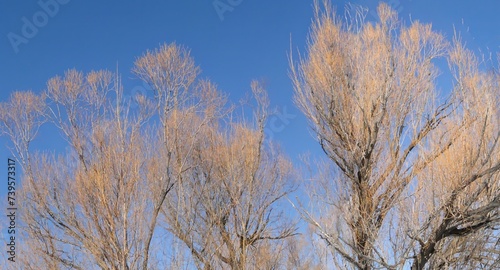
[369, 93]
[460, 195]
[21, 119]
[78, 208]
[170, 71]
[179, 165]
[227, 187]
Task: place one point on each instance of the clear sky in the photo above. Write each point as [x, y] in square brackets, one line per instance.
[233, 41]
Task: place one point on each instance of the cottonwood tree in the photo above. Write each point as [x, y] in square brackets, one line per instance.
[21, 119]
[369, 92]
[171, 72]
[79, 209]
[226, 208]
[456, 219]
[227, 182]
[177, 165]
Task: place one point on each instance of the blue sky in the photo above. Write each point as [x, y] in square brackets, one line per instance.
[250, 40]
